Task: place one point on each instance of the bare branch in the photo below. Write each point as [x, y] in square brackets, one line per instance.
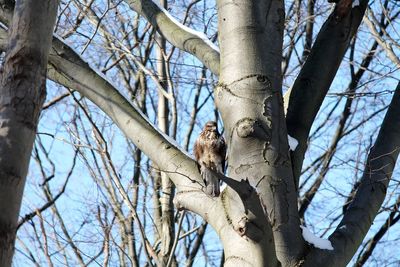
[387, 46]
[370, 194]
[69, 69]
[177, 34]
[316, 76]
[340, 130]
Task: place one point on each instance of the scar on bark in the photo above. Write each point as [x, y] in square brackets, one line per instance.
[246, 227]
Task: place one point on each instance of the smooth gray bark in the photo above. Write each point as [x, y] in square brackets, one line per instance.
[176, 35]
[22, 93]
[249, 98]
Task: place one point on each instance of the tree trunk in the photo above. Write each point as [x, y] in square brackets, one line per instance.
[167, 190]
[251, 34]
[23, 90]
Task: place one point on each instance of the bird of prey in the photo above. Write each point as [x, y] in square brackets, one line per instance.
[209, 151]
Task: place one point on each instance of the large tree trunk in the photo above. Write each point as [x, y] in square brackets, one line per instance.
[23, 90]
[250, 100]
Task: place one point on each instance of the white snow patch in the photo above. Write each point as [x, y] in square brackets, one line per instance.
[315, 240]
[355, 3]
[189, 30]
[293, 143]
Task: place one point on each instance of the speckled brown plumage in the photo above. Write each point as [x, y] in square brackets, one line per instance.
[209, 151]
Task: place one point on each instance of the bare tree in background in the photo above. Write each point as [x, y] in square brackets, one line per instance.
[97, 196]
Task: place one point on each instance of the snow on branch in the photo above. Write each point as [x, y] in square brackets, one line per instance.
[315, 240]
[293, 143]
[179, 35]
[189, 30]
[355, 3]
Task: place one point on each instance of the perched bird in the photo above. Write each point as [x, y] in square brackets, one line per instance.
[209, 151]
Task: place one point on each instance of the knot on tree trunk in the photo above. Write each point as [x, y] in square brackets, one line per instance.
[241, 226]
[245, 127]
[342, 9]
[248, 127]
[248, 229]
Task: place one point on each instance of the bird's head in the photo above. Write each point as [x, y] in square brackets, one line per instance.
[211, 126]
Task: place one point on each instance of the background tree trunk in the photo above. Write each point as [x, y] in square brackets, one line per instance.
[22, 93]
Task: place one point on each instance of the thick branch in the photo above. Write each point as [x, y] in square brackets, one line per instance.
[339, 133]
[177, 34]
[316, 76]
[392, 219]
[69, 70]
[369, 197]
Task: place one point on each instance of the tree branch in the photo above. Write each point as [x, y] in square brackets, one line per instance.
[392, 219]
[385, 44]
[340, 130]
[370, 194]
[67, 68]
[177, 34]
[316, 76]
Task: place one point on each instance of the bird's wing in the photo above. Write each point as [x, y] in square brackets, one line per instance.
[197, 149]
